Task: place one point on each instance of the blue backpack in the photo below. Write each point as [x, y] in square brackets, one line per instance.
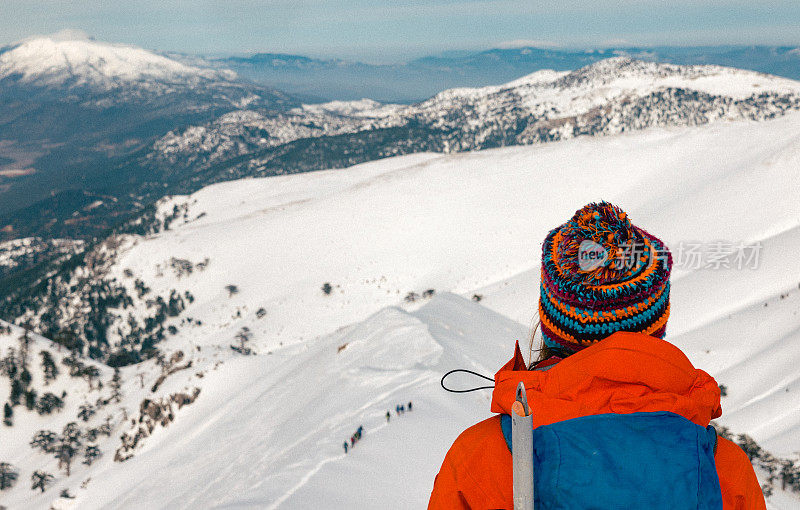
[624, 461]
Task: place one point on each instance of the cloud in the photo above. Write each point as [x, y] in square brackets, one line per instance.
[526, 43]
[67, 34]
[610, 43]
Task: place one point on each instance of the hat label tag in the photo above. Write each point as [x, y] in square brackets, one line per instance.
[591, 255]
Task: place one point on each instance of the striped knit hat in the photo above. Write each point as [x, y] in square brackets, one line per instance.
[602, 274]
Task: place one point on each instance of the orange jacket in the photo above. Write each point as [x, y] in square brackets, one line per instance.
[625, 373]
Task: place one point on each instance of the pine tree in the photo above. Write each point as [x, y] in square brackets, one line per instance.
[44, 440]
[788, 474]
[90, 373]
[243, 336]
[750, 447]
[91, 454]
[8, 415]
[8, 476]
[68, 445]
[8, 365]
[116, 384]
[49, 367]
[30, 399]
[41, 480]
[49, 403]
[86, 411]
[16, 392]
[25, 341]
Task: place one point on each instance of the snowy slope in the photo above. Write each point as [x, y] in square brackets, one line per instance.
[267, 430]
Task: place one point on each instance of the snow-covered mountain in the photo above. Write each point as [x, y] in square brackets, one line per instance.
[70, 66]
[74, 112]
[611, 96]
[266, 429]
[73, 60]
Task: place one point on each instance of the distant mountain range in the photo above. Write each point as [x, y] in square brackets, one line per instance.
[611, 96]
[91, 132]
[419, 79]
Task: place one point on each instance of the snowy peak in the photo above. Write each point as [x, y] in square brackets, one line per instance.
[74, 60]
[642, 75]
[626, 76]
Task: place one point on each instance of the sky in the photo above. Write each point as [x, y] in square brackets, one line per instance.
[397, 30]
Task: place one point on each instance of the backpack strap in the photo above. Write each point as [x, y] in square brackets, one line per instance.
[505, 426]
[712, 435]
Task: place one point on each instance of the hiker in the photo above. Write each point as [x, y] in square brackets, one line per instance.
[602, 370]
[388, 416]
[402, 409]
[360, 430]
[409, 405]
[345, 447]
[352, 441]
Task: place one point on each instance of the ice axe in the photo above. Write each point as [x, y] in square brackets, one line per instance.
[522, 450]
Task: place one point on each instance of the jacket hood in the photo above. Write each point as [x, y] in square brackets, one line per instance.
[624, 373]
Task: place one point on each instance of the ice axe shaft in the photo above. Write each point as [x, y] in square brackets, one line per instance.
[522, 450]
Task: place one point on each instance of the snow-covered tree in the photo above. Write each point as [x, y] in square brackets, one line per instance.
[86, 411]
[41, 480]
[243, 336]
[48, 403]
[116, 384]
[8, 415]
[9, 366]
[17, 389]
[30, 399]
[91, 454]
[750, 447]
[90, 373]
[49, 367]
[8, 476]
[68, 444]
[44, 440]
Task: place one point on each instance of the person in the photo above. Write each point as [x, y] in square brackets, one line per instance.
[345, 447]
[388, 416]
[352, 440]
[360, 431]
[409, 405]
[602, 324]
[402, 409]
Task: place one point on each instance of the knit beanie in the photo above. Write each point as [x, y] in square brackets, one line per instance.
[602, 274]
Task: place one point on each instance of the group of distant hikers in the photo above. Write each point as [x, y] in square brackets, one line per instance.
[354, 438]
[398, 409]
